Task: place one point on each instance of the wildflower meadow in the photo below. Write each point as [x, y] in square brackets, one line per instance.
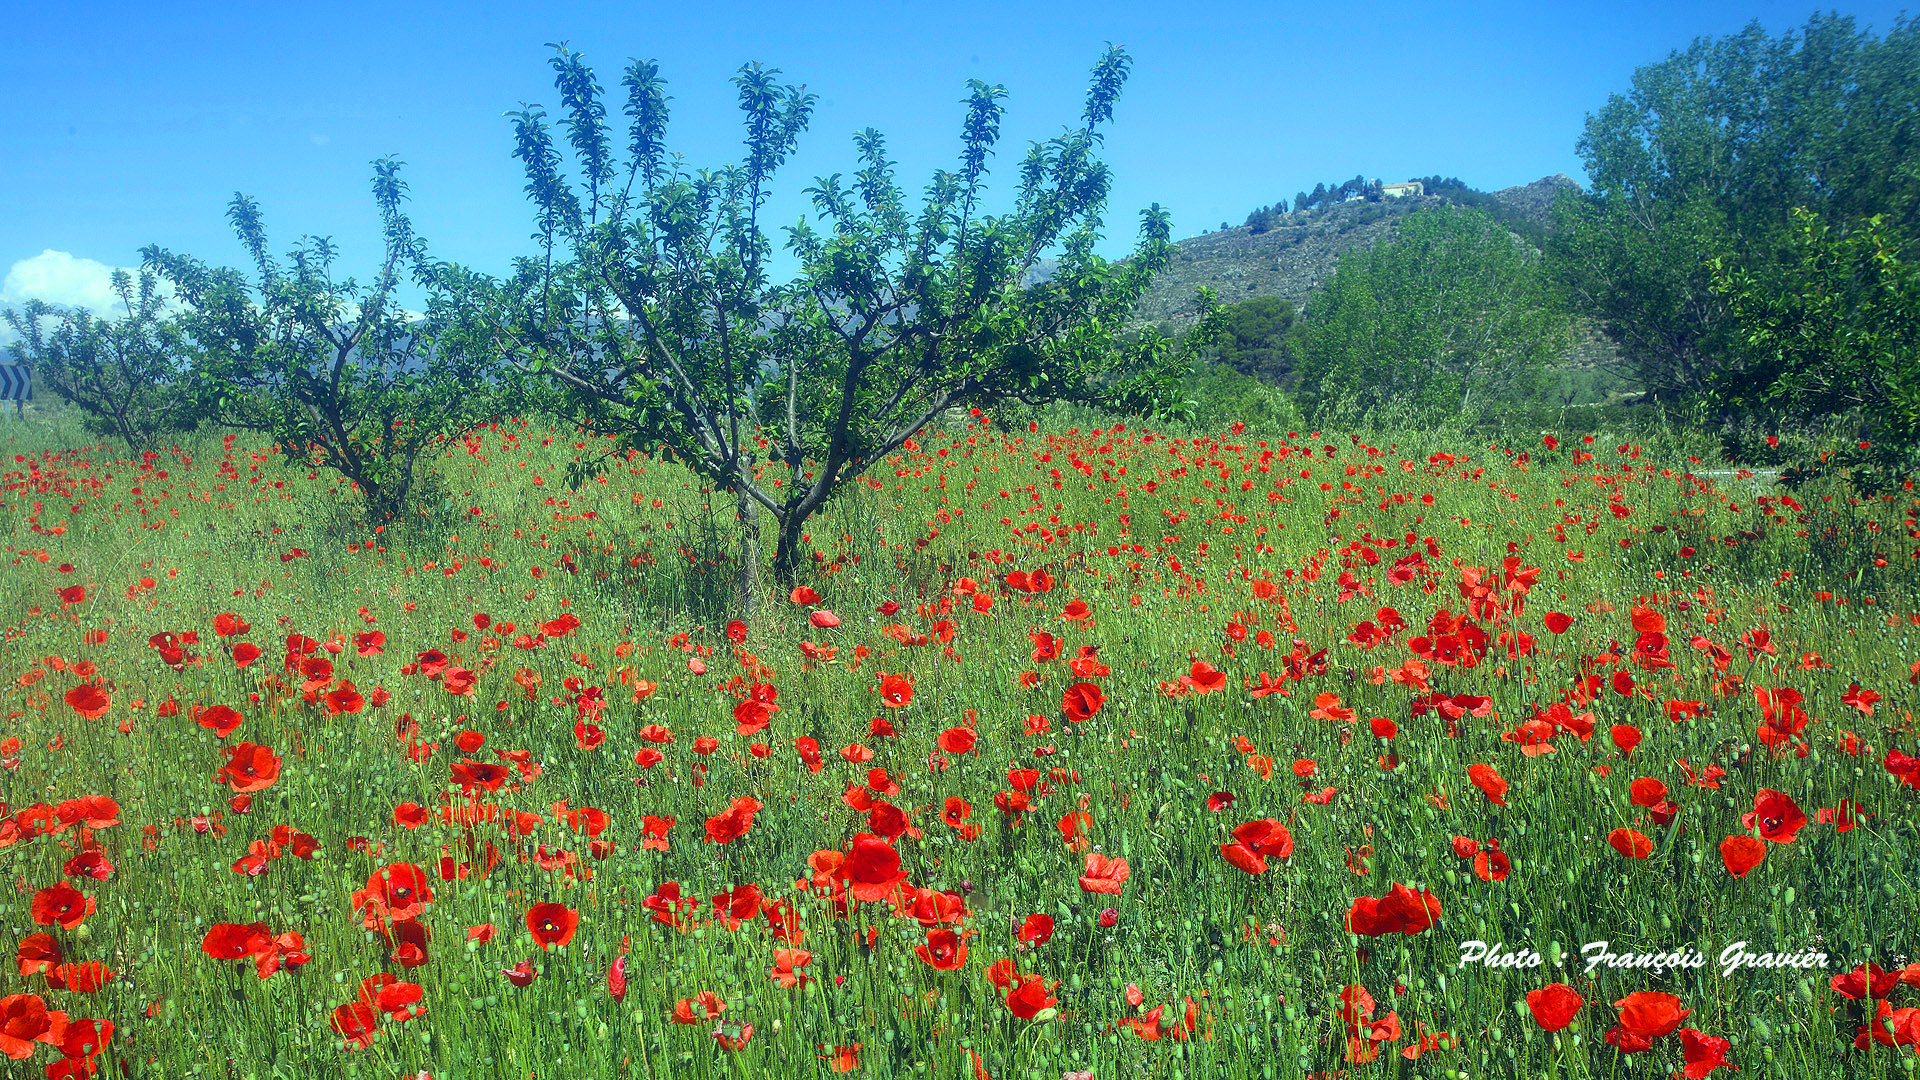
[1091, 753]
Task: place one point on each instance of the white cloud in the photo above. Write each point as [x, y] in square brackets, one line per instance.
[58, 278]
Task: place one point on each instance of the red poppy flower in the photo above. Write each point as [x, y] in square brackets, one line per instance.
[89, 701]
[654, 832]
[249, 767]
[1244, 858]
[945, 950]
[85, 978]
[1037, 930]
[1104, 874]
[1203, 678]
[219, 719]
[85, 1040]
[1557, 622]
[1646, 791]
[1030, 998]
[734, 822]
[1045, 646]
[1702, 1053]
[1650, 1013]
[1489, 781]
[896, 691]
[955, 811]
[484, 775]
[957, 740]
[1554, 1005]
[1776, 815]
[1220, 800]
[552, 925]
[398, 1000]
[1081, 702]
[356, 1022]
[234, 941]
[1401, 911]
[409, 939]
[588, 736]
[872, 869]
[24, 1020]
[227, 624]
[698, 1010]
[38, 952]
[344, 699]
[61, 904]
[804, 594]
[617, 979]
[1741, 853]
[1630, 843]
[1867, 981]
[1266, 836]
[398, 890]
[843, 1058]
[369, 644]
[1492, 865]
[1625, 737]
[245, 653]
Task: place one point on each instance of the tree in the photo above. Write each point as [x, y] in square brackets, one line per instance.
[1319, 196]
[1836, 334]
[1452, 311]
[661, 324]
[337, 374]
[1708, 154]
[1252, 336]
[126, 375]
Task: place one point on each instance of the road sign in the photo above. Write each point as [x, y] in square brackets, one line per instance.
[16, 382]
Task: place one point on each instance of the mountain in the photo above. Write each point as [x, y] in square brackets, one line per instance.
[1298, 254]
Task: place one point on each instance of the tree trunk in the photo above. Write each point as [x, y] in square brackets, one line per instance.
[746, 581]
[786, 551]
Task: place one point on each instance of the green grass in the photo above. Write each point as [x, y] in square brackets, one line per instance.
[214, 533]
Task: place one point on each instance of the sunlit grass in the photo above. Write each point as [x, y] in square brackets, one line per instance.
[1255, 557]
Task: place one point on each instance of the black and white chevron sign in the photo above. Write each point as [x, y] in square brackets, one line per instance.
[16, 383]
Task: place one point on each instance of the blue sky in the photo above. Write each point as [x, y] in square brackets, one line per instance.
[135, 123]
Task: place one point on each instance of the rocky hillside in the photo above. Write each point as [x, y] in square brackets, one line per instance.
[1299, 254]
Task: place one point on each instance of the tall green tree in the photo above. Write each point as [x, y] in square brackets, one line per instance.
[1708, 154]
[1253, 336]
[1836, 334]
[126, 375]
[651, 305]
[1453, 312]
[337, 373]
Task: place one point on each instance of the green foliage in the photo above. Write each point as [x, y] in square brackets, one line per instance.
[1265, 218]
[125, 375]
[1253, 336]
[1707, 155]
[657, 319]
[1458, 192]
[1836, 333]
[1451, 314]
[338, 374]
[1224, 397]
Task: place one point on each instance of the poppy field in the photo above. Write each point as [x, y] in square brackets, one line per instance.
[1089, 754]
